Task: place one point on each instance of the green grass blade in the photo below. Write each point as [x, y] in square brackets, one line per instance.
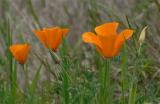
[32, 87]
[123, 74]
[132, 95]
[33, 12]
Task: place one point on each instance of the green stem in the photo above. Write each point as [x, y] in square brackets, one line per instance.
[105, 83]
[26, 75]
[9, 43]
[13, 81]
[107, 73]
[11, 70]
[101, 83]
[65, 66]
[133, 94]
[65, 88]
[123, 74]
[65, 81]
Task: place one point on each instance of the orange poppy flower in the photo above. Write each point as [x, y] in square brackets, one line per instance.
[51, 37]
[20, 52]
[107, 41]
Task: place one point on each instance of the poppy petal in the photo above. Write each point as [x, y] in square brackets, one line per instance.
[117, 46]
[53, 36]
[125, 34]
[107, 29]
[20, 52]
[108, 44]
[59, 37]
[41, 36]
[90, 37]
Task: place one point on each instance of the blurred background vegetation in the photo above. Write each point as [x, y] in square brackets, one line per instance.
[19, 17]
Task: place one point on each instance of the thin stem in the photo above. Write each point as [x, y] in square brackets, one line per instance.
[123, 74]
[107, 72]
[65, 88]
[9, 42]
[105, 83]
[132, 94]
[14, 82]
[11, 70]
[26, 75]
[65, 80]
